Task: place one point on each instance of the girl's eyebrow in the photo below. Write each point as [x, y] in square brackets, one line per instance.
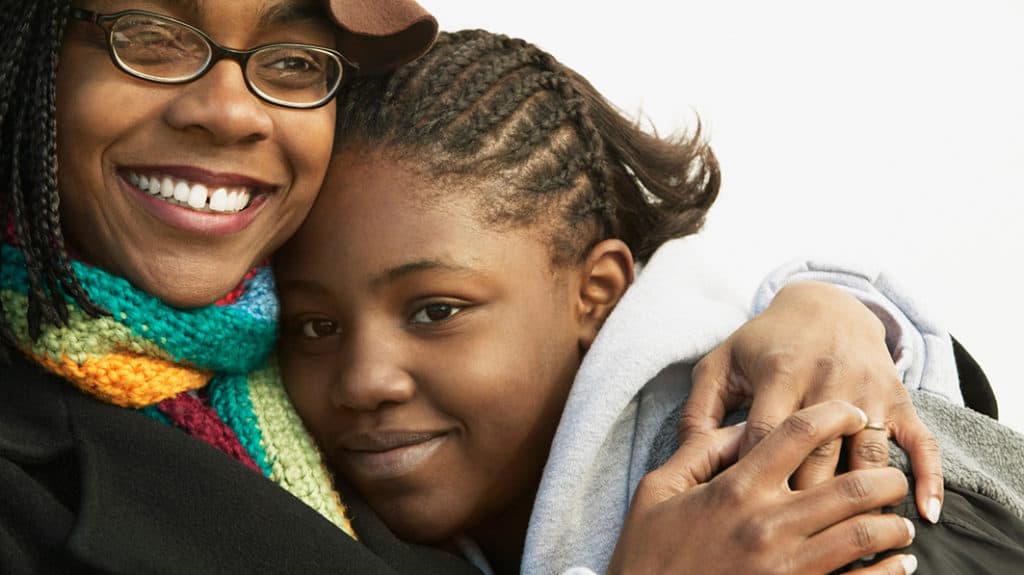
[396, 273]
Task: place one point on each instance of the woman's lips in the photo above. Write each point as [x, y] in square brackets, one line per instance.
[237, 199]
[390, 456]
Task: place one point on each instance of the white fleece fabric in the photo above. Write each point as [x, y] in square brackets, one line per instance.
[638, 371]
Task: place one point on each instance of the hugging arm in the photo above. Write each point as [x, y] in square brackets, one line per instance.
[856, 338]
[747, 520]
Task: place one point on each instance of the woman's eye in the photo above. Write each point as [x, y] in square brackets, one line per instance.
[318, 328]
[435, 312]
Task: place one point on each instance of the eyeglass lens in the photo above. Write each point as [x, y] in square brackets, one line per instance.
[163, 50]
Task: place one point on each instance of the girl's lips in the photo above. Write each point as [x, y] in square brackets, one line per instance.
[190, 220]
[392, 462]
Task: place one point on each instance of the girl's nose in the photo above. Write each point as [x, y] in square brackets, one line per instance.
[372, 378]
[220, 105]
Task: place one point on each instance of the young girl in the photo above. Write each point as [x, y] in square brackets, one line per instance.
[119, 296]
[486, 207]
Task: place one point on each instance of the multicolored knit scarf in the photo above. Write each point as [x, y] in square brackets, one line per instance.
[203, 370]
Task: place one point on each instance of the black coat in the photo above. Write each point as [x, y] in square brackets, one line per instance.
[87, 487]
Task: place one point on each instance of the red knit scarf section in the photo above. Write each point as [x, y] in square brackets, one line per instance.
[201, 421]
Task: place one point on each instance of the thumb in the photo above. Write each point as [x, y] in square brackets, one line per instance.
[695, 462]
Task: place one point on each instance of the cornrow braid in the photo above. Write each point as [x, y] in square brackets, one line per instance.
[496, 109]
[29, 202]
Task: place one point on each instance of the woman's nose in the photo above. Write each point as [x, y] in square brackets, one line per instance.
[371, 378]
[220, 105]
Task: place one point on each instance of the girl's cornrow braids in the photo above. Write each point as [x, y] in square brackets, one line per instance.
[449, 63]
[399, 78]
[468, 93]
[468, 135]
[592, 159]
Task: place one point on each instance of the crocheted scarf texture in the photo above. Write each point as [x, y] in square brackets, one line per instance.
[207, 371]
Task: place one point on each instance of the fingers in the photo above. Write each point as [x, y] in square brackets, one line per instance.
[695, 462]
[845, 496]
[786, 447]
[710, 395]
[925, 460]
[895, 565]
[870, 448]
[854, 538]
[820, 465]
[778, 398]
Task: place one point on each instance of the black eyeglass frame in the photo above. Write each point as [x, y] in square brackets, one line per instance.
[217, 53]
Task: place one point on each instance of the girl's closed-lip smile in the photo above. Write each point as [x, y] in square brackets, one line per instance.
[388, 455]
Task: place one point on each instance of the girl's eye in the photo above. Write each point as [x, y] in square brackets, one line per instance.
[435, 312]
[318, 328]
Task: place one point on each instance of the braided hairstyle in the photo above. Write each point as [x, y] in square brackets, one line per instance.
[492, 110]
[30, 39]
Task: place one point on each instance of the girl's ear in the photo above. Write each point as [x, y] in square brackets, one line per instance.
[605, 275]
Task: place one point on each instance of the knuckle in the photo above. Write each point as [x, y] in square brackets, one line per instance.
[727, 491]
[758, 429]
[929, 444]
[825, 451]
[759, 535]
[862, 536]
[778, 363]
[854, 487]
[829, 370]
[873, 452]
[801, 427]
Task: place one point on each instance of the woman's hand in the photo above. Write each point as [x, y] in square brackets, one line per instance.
[814, 343]
[748, 520]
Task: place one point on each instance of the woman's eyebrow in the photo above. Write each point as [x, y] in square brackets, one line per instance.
[288, 12]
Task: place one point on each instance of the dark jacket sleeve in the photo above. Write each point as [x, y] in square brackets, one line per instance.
[86, 487]
[974, 536]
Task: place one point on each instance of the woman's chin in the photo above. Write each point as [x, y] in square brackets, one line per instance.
[192, 288]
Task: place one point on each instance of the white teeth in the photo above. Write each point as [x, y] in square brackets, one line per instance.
[167, 188]
[219, 200]
[196, 196]
[181, 192]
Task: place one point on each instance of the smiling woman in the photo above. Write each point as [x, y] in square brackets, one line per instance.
[153, 153]
[201, 141]
[191, 140]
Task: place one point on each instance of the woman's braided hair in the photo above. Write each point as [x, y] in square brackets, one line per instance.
[492, 109]
[30, 39]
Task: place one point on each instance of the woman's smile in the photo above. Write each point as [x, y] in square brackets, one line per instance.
[196, 200]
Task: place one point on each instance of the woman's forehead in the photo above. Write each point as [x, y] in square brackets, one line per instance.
[268, 12]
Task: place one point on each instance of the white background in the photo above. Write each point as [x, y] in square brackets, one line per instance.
[887, 131]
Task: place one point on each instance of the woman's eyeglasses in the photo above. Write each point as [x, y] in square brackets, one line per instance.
[162, 49]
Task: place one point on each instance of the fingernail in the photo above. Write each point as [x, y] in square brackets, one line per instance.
[910, 528]
[863, 416]
[909, 563]
[934, 509]
[740, 424]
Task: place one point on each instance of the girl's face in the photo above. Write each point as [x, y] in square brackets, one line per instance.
[428, 354]
[212, 133]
